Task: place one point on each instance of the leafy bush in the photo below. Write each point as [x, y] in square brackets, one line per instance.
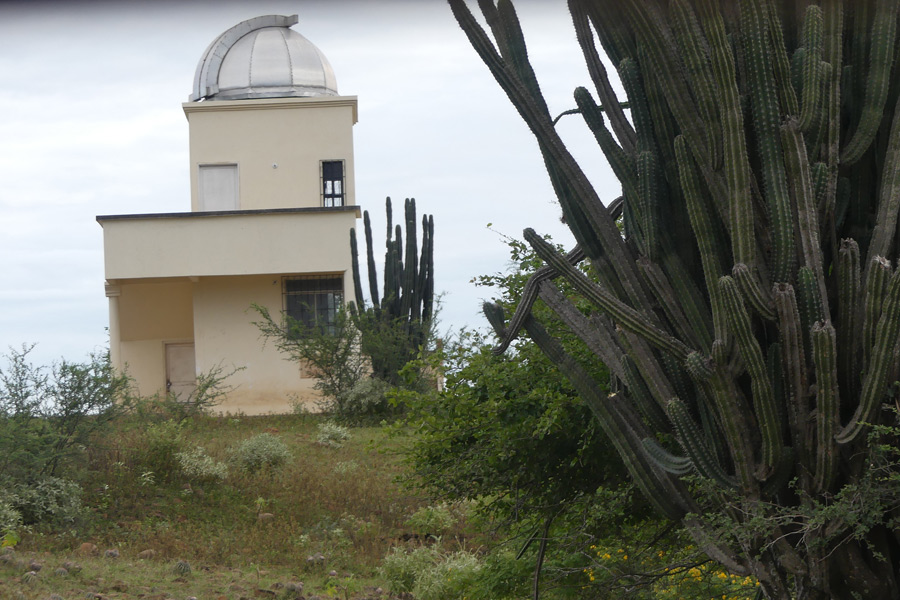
[401, 567]
[428, 574]
[368, 397]
[263, 451]
[453, 577]
[197, 465]
[331, 354]
[48, 415]
[432, 520]
[332, 435]
[47, 499]
[10, 518]
[157, 448]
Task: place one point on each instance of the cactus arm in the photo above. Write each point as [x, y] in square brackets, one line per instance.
[529, 296]
[876, 282]
[664, 57]
[763, 399]
[736, 162]
[649, 368]
[881, 58]
[665, 295]
[833, 26]
[640, 394]
[794, 365]
[766, 121]
[409, 304]
[648, 195]
[807, 212]
[583, 203]
[824, 343]
[426, 265]
[701, 223]
[597, 339]
[781, 66]
[753, 292]
[357, 282]
[889, 196]
[620, 123]
[879, 368]
[620, 160]
[665, 460]
[691, 439]
[370, 261]
[623, 314]
[689, 295]
[731, 410]
[689, 36]
[623, 429]
[848, 310]
[811, 81]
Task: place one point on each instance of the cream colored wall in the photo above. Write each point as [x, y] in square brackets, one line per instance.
[225, 336]
[293, 133]
[150, 314]
[227, 244]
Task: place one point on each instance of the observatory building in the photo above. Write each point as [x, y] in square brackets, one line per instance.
[272, 204]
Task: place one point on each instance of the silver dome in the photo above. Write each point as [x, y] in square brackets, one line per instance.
[263, 58]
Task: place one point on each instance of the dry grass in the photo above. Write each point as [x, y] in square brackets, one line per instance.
[339, 506]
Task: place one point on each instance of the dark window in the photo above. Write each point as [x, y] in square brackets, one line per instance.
[313, 301]
[332, 183]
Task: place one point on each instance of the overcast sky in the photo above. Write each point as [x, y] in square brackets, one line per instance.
[91, 124]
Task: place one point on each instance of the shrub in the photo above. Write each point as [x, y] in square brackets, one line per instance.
[368, 397]
[428, 574]
[48, 415]
[401, 567]
[48, 499]
[158, 447]
[332, 435]
[197, 465]
[433, 520]
[452, 577]
[263, 451]
[10, 519]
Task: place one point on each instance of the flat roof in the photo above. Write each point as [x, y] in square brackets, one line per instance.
[228, 213]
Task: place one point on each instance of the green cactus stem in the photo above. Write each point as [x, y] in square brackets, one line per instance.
[763, 399]
[824, 345]
[881, 58]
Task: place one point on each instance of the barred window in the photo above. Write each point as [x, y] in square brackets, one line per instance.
[332, 183]
[313, 301]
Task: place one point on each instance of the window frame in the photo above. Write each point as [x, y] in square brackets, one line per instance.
[324, 315]
[330, 198]
[233, 169]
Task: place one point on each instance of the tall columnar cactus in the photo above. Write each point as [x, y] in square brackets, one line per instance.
[398, 323]
[752, 306]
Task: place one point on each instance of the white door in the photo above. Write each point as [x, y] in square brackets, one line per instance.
[181, 373]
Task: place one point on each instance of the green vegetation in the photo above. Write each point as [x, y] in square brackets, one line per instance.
[399, 323]
[331, 354]
[749, 315]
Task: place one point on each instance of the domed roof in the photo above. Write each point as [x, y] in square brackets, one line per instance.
[263, 58]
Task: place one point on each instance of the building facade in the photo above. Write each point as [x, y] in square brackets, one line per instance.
[272, 203]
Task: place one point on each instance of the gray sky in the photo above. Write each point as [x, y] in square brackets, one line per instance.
[91, 123]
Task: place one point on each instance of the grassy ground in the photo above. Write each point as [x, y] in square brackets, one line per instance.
[326, 519]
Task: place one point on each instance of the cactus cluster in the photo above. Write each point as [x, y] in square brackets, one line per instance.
[751, 310]
[399, 321]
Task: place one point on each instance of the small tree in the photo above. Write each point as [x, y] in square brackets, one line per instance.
[331, 354]
[47, 414]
